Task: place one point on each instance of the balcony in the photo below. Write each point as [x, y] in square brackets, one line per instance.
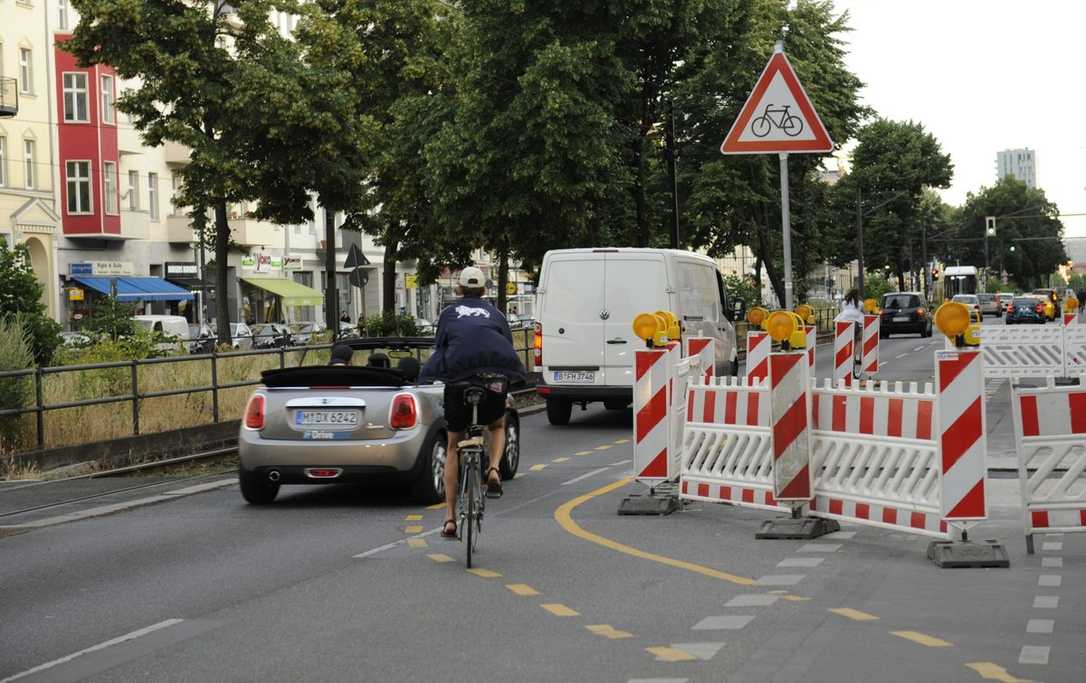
[178, 229]
[135, 225]
[9, 97]
[177, 153]
[250, 232]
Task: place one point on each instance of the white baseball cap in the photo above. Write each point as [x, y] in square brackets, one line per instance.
[472, 277]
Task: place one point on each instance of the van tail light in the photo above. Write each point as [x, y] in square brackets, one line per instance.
[254, 412]
[404, 413]
[537, 345]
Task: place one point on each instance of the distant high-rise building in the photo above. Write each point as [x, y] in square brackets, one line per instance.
[1020, 163]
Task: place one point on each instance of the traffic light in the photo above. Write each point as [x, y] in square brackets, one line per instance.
[989, 226]
[1013, 247]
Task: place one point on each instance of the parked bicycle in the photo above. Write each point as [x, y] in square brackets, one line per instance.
[777, 117]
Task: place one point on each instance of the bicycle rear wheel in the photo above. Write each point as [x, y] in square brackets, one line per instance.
[470, 485]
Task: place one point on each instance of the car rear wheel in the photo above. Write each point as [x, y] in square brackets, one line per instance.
[511, 461]
[559, 411]
[256, 489]
[429, 488]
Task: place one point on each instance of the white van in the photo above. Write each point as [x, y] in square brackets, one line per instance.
[173, 327]
[586, 302]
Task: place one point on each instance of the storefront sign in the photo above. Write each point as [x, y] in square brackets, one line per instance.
[102, 268]
[292, 263]
[276, 263]
[263, 263]
[411, 280]
[511, 288]
[189, 271]
[75, 294]
[248, 262]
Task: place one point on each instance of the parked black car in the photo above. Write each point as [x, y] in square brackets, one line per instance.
[1025, 310]
[904, 312]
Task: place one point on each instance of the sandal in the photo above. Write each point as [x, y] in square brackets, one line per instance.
[445, 533]
[493, 487]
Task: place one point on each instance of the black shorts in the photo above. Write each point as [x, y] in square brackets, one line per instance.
[458, 413]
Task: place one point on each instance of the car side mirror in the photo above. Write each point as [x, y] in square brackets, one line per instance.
[739, 310]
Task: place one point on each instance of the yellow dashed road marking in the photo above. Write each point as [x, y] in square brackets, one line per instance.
[416, 542]
[670, 654]
[994, 672]
[558, 609]
[583, 453]
[536, 468]
[484, 573]
[921, 638]
[413, 518]
[522, 589]
[413, 529]
[608, 631]
[440, 557]
[603, 447]
[622, 441]
[563, 515]
[794, 598]
[435, 506]
[854, 614]
[560, 460]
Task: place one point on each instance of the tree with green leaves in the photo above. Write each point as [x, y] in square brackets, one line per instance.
[21, 299]
[1028, 243]
[200, 72]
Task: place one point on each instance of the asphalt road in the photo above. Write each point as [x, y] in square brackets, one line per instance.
[337, 584]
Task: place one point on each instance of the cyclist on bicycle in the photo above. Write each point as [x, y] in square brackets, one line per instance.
[852, 310]
[473, 337]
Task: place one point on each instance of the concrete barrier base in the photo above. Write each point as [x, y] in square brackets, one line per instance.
[796, 529]
[969, 555]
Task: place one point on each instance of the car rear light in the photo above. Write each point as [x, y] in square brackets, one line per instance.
[254, 412]
[920, 312]
[1040, 308]
[537, 344]
[404, 413]
[543, 391]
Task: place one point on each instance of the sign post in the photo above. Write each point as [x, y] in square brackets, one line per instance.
[778, 117]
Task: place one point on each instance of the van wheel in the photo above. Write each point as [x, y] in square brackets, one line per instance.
[558, 411]
[256, 489]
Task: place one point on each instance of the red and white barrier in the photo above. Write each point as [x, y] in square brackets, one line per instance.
[959, 376]
[790, 436]
[1050, 436]
[870, 360]
[844, 339]
[1070, 318]
[759, 345]
[705, 349]
[812, 340]
[1074, 351]
[652, 377]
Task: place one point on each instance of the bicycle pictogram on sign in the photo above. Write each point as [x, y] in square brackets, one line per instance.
[776, 117]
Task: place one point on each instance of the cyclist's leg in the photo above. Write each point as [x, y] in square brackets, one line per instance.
[497, 447]
[452, 474]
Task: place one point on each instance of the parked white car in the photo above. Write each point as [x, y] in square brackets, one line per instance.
[173, 327]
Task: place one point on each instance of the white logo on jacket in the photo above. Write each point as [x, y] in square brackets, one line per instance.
[462, 311]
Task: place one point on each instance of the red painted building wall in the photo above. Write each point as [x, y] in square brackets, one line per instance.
[92, 141]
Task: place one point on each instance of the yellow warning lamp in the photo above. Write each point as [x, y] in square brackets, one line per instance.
[756, 316]
[671, 328]
[952, 319]
[787, 328]
[1071, 304]
[972, 335]
[870, 305]
[651, 327]
[805, 313]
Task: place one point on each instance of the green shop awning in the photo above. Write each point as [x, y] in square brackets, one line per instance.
[293, 294]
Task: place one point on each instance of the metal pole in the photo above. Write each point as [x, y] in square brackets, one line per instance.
[39, 401]
[671, 175]
[331, 315]
[214, 386]
[924, 259]
[860, 241]
[787, 232]
[984, 285]
[135, 399]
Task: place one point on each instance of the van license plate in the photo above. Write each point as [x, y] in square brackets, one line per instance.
[901, 318]
[326, 418]
[575, 376]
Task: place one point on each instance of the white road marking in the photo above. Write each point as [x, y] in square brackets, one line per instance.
[819, 548]
[1034, 654]
[658, 680]
[1053, 545]
[900, 356]
[94, 648]
[730, 623]
[703, 651]
[1050, 580]
[780, 579]
[620, 462]
[801, 562]
[919, 348]
[841, 534]
[752, 600]
[584, 476]
[1051, 562]
[1046, 602]
[1040, 625]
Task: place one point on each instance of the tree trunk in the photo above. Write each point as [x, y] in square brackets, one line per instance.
[503, 277]
[222, 299]
[775, 278]
[388, 276]
[639, 192]
[331, 299]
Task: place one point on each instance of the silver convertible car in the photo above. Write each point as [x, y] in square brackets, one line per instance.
[362, 423]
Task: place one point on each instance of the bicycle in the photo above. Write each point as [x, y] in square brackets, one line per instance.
[791, 124]
[857, 351]
[471, 502]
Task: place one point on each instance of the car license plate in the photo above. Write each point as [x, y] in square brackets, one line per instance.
[329, 419]
[901, 318]
[575, 376]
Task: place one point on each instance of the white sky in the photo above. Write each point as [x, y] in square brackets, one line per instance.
[982, 76]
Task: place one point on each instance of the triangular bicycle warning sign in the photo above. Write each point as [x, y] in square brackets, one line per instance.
[777, 117]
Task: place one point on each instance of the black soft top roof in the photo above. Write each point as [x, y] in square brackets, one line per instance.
[392, 343]
[329, 376]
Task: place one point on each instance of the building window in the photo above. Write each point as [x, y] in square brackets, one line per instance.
[133, 190]
[108, 114]
[26, 76]
[30, 169]
[3, 161]
[152, 194]
[62, 15]
[77, 174]
[75, 97]
[109, 186]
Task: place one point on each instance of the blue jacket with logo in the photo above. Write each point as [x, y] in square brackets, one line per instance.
[472, 337]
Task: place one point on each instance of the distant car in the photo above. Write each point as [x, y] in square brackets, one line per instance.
[201, 339]
[1006, 299]
[971, 301]
[174, 328]
[302, 333]
[328, 425]
[904, 312]
[241, 337]
[1050, 296]
[271, 336]
[1026, 310]
[75, 339]
[424, 326]
[989, 305]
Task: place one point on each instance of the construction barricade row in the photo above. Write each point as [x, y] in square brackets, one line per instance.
[1022, 351]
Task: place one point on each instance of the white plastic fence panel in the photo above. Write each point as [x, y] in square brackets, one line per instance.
[1023, 350]
[1074, 350]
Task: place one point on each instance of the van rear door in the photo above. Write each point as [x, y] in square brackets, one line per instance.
[634, 283]
[570, 315]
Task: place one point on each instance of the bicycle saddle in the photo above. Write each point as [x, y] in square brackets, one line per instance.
[470, 443]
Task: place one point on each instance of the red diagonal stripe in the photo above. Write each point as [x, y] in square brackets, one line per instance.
[1078, 412]
[844, 355]
[870, 343]
[798, 488]
[780, 365]
[894, 417]
[760, 371]
[644, 360]
[789, 426]
[971, 506]
[696, 345]
[651, 413]
[949, 369]
[962, 435]
[658, 466]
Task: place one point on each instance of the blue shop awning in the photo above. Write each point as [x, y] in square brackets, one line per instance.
[136, 288]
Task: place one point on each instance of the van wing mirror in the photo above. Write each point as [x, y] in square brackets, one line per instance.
[739, 310]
